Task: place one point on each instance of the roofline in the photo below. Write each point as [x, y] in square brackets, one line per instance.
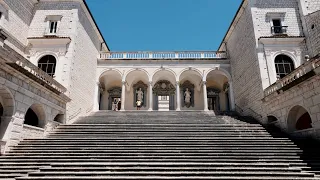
[94, 21]
[232, 24]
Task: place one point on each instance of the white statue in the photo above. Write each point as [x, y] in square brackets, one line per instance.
[187, 96]
[139, 95]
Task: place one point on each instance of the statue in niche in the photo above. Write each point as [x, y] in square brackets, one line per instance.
[187, 97]
[139, 95]
[187, 91]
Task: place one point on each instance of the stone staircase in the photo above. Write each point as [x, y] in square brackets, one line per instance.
[156, 145]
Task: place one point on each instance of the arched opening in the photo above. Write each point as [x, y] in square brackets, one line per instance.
[298, 119]
[191, 96]
[304, 122]
[110, 90]
[271, 119]
[48, 64]
[164, 94]
[59, 118]
[284, 65]
[35, 116]
[218, 96]
[6, 110]
[137, 89]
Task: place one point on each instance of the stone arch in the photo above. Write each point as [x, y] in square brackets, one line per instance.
[59, 118]
[45, 53]
[271, 119]
[109, 80]
[136, 69]
[108, 70]
[7, 101]
[287, 53]
[48, 64]
[173, 78]
[219, 71]
[190, 69]
[298, 119]
[35, 116]
[7, 109]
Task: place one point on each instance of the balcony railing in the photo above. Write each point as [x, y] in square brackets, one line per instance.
[163, 55]
[277, 30]
[302, 70]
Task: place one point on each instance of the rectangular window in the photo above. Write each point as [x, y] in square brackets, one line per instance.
[277, 28]
[53, 27]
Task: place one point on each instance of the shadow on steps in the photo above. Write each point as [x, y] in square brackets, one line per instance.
[310, 147]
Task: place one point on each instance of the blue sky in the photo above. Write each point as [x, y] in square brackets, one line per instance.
[163, 25]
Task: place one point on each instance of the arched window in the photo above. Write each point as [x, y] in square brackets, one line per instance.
[284, 65]
[48, 64]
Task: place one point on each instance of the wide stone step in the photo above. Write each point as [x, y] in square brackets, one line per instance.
[169, 168]
[172, 173]
[270, 177]
[152, 146]
[173, 139]
[138, 156]
[162, 124]
[42, 160]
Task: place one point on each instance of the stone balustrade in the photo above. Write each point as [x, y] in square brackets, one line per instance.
[163, 55]
[37, 72]
[294, 75]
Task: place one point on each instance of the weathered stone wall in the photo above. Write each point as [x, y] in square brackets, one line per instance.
[245, 70]
[306, 95]
[311, 5]
[313, 28]
[17, 16]
[31, 132]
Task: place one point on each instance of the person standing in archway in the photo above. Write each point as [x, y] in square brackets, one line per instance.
[138, 103]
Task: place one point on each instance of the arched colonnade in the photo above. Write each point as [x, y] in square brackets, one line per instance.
[184, 89]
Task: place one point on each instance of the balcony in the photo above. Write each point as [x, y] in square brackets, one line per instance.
[143, 55]
[300, 74]
[279, 30]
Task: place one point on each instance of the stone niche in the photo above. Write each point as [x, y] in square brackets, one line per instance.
[187, 85]
[136, 88]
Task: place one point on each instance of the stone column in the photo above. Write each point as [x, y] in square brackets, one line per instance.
[205, 96]
[96, 97]
[123, 95]
[178, 96]
[231, 97]
[150, 97]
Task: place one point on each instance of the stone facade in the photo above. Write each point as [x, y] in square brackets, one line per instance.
[261, 31]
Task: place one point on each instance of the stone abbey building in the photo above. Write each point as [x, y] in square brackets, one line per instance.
[56, 67]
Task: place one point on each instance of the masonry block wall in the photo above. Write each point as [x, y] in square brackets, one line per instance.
[306, 95]
[313, 27]
[79, 67]
[263, 11]
[245, 72]
[15, 20]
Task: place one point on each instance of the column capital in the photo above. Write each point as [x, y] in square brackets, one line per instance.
[204, 82]
[123, 82]
[150, 83]
[178, 83]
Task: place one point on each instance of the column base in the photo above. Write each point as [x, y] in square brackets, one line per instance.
[178, 109]
[150, 109]
[122, 110]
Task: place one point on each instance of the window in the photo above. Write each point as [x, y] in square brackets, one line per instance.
[53, 27]
[53, 22]
[277, 27]
[48, 64]
[284, 65]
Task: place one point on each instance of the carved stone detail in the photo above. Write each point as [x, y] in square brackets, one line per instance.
[163, 88]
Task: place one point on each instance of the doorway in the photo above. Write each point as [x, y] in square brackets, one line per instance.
[213, 104]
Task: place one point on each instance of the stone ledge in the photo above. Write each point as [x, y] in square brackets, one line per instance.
[33, 127]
